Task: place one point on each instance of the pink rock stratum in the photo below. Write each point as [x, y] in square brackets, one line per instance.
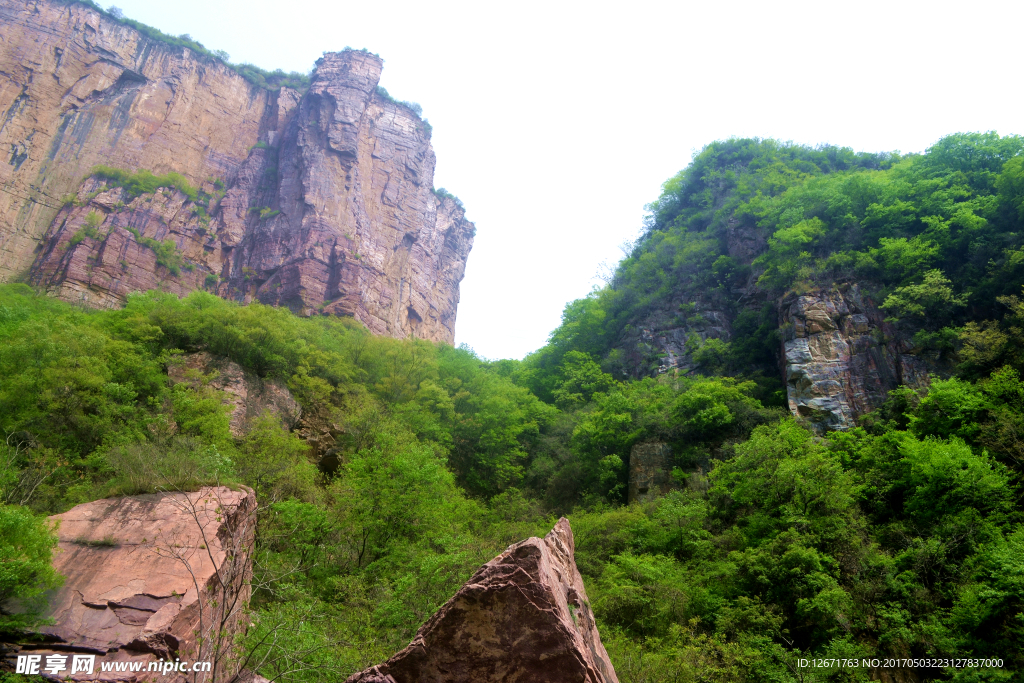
[146, 574]
[524, 617]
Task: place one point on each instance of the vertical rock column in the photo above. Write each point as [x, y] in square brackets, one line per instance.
[354, 227]
[650, 467]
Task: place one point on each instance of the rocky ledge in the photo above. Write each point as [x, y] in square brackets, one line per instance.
[523, 617]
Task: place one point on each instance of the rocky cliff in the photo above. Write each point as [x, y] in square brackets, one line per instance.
[524, 616]
[839, 358]
[835, 352]
[321, 200]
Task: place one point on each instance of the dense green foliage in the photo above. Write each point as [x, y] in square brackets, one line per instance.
[903, 537]
[892, 539]
[85, 397]
[900, 538]
[26, 548]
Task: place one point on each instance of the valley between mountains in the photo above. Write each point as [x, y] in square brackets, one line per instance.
[235, 428]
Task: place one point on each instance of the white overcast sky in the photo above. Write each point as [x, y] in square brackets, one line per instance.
[556, 122]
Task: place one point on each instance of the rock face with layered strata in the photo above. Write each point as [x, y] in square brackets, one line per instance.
[152, 577]
[524, 617]
[321, 200]
[841, 357]
[78, 89]
[359, 230]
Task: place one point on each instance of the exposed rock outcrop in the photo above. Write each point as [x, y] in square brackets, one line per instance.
[523, 617]
[249, 395]
[321, 201]
[152, 577]
[360, 231]
[838, 356]
[101, 264]
[650, 467]
[841, 357]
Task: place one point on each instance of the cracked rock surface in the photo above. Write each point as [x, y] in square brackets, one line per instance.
[842, 358]
[139, 570]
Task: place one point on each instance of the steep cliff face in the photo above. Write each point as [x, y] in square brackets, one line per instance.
[360, 231]
[320, 201]
[77, 90]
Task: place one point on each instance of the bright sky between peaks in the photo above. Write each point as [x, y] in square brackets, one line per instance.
[555, 123]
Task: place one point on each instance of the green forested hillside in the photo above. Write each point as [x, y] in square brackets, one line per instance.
[902, 537]
[936, 236]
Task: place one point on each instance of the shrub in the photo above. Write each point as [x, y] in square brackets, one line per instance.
[183, 464]
[88, 229]
[167, 254]
[144, 181]
[386, 96]
[26, 572]
[105, 542]
[274, 462]
[442, 193]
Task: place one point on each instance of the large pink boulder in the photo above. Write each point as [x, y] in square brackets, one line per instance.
[155, 576]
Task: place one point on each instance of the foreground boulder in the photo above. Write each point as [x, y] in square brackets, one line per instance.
[523, 617]
[152, 577]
